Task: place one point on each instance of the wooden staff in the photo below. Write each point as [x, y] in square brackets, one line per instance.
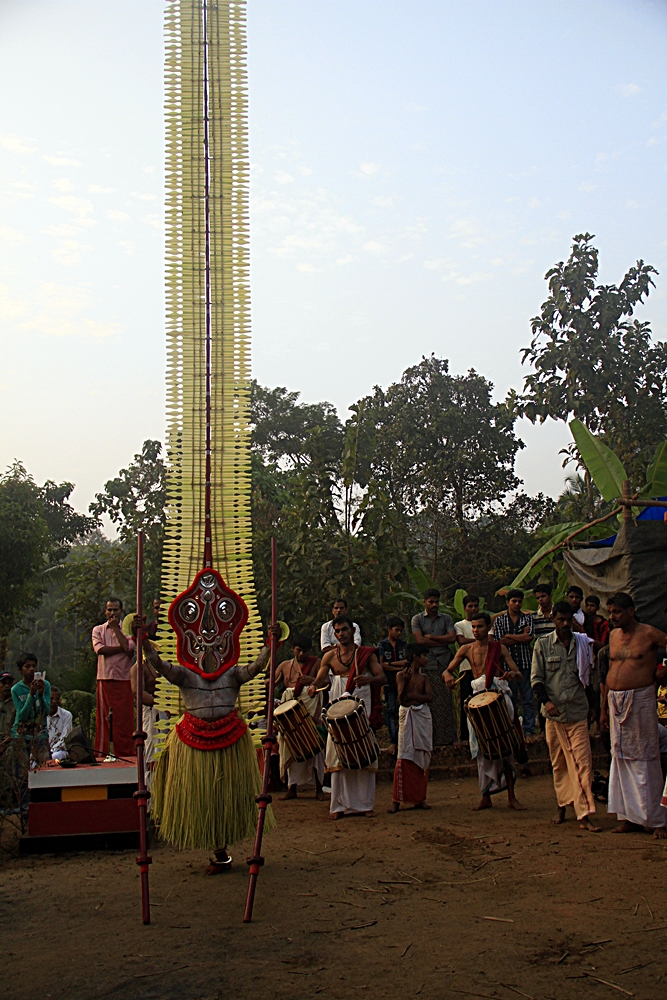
[142, 794]
[264, 799]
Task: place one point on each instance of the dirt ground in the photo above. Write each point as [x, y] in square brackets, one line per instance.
[396, 906]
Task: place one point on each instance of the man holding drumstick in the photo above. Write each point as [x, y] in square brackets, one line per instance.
[356, 673]
[487, 658]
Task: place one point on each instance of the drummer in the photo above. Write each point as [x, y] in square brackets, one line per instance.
[352, 671]
[487, 657]
[296, 674]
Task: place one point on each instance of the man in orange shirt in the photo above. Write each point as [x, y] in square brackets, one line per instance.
[114, 689]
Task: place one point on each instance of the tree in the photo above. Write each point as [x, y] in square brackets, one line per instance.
[136, 500]
[94, 572]
[37, 529]
[591, 360]
[443, 452]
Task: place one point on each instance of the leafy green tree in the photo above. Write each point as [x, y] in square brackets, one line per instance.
[136, 500]
[95, 571]
[37, 529]
[444, 453]
[593, 361]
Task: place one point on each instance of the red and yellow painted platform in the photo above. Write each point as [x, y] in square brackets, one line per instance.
[87, 807]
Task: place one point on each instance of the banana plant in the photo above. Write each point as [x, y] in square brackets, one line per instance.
[607, 472]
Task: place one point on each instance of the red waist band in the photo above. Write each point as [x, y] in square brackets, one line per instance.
[215, 735]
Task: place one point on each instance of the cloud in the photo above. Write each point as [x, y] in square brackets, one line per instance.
[142, 197]
[23, 189]
[534, 203]
[10, 237]
[628, 89]
[63, 231]
[60, 310]
[98, 189]
[304, 170]
[153, 220]
[383, 202]
[347, 259]
[287, 224]
[61, 161]
[15, 144]
[69, 252]
[466, 231]
[374, 247]
[587, 187]
[77, 206]
[654, 141]
[438, 263]
[117, 216]
[128, 246]
[369, 169]
[63, 184]
[10, 309]
[466, 279]
[282, 177]
[149, 170]
[308, 268]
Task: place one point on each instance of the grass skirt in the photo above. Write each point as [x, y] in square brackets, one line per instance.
[205, 799]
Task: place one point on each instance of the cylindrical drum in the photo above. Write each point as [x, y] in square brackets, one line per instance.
[350, 730]
[493, 727]
[298, 730]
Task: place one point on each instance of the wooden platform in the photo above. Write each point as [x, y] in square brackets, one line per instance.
[87, 807]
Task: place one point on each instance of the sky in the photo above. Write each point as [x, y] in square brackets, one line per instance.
[416, 169]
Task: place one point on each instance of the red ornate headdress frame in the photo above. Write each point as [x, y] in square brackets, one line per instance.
[208, 619]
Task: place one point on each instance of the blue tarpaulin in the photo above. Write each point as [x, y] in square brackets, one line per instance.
[647, 514]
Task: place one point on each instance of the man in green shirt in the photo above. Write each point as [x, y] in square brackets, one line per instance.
[6, 704]
[32, 701]
[564, 687]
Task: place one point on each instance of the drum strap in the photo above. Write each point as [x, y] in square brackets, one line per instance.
[492, 665]
[361, 658]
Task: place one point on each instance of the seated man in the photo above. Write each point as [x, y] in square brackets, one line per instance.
[485, 656]
[59, 726]
[415, 732]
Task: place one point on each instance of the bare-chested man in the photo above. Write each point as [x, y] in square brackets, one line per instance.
[494, 775]
[354, 669]
[415, 731]
[629, 711]
[296, 674]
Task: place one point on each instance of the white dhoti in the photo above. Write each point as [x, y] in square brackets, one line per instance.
[302, 773]
[415, 735]
[492, 774]
[351, 791]
[635, 779]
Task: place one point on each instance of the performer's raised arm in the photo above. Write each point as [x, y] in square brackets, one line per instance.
[174, 672]
[246, 673]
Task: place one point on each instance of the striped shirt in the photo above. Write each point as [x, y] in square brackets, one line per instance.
[542, 624]
[521, 653]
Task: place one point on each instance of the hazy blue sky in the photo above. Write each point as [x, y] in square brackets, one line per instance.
[417, 167]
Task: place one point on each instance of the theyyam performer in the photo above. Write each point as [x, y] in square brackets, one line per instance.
[207, 775]
[353, 672]
[207, 778]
